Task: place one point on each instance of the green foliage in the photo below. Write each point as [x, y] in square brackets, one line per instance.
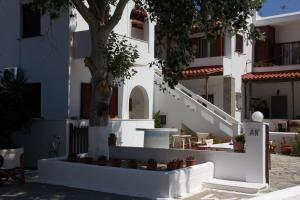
[296, 147]
[175, 20]
[157, 120]
[14, 115]
[121, 57]
[240, 138]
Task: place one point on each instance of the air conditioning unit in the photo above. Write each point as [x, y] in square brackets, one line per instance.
[12, 70]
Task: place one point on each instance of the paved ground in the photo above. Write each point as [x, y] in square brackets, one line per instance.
[285, 173]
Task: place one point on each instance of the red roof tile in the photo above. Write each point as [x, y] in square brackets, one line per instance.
[202, 71]
[272, 75]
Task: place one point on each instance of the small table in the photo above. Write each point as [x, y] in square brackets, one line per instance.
[182, 138]
[157, 137]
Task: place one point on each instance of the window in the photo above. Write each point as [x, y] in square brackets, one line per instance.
[31, 21]
[33, 98]
[291, 53]
[239, 43]
[204, 48]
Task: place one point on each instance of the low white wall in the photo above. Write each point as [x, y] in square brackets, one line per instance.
[248, 167]
[133, 182]
[126, 133]
[37, 143]
[230, 166]
[277, 139]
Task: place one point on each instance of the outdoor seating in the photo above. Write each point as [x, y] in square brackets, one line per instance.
[12, 165]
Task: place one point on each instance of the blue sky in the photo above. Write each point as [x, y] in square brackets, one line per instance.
[275, 7]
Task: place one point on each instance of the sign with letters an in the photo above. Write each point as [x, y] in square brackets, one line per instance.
[254, 132]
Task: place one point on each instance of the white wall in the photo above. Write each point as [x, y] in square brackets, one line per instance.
[80, 74]
[44, 59]
[215, 87]
[145, 79]
[287, 33]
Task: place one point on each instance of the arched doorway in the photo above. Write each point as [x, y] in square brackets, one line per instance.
[139, 24]
[138, 103]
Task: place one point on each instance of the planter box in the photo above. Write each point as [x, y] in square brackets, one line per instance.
[132, 182]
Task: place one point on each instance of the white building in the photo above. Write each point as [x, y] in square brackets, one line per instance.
[273, 85]
[52, 55]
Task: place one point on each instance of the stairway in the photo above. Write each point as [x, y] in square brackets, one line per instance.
[183, 106]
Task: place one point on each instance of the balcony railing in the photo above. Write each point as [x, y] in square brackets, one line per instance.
[283, 54]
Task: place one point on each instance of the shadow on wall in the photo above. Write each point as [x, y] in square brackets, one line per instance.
[39, 143]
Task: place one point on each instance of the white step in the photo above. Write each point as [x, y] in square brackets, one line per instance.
[237, 186]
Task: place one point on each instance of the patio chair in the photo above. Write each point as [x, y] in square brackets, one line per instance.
[12, 165]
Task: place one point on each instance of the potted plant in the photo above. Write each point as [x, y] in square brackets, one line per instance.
[102, 160]
[133, 164]
[180, 164]
[152, 164]
[116, 162]
[239, 143]
[15, 116]
[112, 139]
[171, 165]
[190, 160]
[286, 148]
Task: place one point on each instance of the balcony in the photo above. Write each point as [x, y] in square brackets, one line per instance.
[82, 47]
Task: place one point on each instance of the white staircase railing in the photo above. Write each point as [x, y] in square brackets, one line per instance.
[194, 101]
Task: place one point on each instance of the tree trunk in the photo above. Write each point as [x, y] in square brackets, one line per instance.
[100, 99]
[101, 80]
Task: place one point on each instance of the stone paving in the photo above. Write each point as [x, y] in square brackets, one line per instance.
[285, 173]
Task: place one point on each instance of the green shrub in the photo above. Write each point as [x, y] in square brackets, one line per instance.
[240, 138]
[157, 120]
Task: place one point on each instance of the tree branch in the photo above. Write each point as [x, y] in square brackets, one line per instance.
[102, 7]
[83, 10]
[94, 8]
[117, 15]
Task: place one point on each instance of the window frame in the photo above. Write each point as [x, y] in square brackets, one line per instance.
[29, 34]
[239, 48]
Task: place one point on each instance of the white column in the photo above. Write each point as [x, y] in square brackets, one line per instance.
[255, 135]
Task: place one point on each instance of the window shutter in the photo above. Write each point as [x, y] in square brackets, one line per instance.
[239, 43]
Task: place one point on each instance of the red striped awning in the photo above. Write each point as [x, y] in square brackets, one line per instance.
[281, 75]
[202, 71]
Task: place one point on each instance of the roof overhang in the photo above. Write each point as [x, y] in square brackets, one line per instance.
[277, 20]
[202, 72]
[273, 76]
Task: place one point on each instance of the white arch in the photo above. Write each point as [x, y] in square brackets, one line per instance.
[138, 103]
[139, 33]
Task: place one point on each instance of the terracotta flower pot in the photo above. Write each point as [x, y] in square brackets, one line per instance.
[152, 166]
[238, 146]
[132, 164]
[180, 164]
[172, 165]
[116, 163]
[286, 150]
[190, 162]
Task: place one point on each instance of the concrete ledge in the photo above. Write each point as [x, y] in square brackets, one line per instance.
[132, 182]
[237, 186]
[292, 193]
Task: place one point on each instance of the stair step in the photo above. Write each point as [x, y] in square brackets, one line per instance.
[237, 186]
